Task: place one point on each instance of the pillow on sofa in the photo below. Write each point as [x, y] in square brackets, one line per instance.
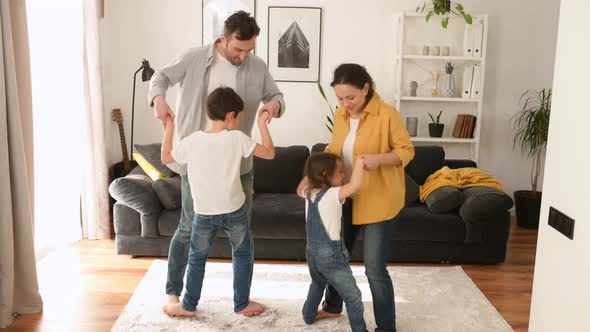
[412, 191]
[444, 199]
[168, 192]
[148, 158]
[282, 174]
[136, 192]
[482, 202]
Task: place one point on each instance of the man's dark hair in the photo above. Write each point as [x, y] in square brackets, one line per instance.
[221, 101]
[242, 24]
[355, 75]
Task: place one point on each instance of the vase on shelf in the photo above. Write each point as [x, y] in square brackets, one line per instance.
[448, 82]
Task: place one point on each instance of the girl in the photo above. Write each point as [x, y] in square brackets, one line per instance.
[324, 190]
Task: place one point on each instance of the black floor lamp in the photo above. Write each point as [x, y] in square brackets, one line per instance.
[146, 75]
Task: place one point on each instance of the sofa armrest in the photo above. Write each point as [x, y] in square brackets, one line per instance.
[459, 163]
[481, 205]
[135, 191]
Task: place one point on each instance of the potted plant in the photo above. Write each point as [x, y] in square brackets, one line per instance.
[329, 118]
[443, 8]
[435, 128]
[531, 125]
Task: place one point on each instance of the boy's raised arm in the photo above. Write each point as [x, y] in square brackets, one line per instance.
[266, 150]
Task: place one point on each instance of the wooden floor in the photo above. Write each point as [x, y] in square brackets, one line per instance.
[85, 287]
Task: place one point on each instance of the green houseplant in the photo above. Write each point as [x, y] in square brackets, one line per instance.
[329, 118]
[531, 124]
[435, 128]
[443, 8]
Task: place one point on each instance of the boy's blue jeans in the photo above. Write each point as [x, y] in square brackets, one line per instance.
[336, 271]
[180, 244]
[237, 228]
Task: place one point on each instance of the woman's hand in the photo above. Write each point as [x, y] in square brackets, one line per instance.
[372, 161]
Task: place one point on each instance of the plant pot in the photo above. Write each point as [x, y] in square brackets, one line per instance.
[436, 129]
[528, 208]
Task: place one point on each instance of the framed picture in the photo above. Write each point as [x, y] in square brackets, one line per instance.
[294, 43]
[215, 12]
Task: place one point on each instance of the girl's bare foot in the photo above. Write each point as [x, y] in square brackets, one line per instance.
[176, 309]
[253, 309]
[324, 314]
[172, 299]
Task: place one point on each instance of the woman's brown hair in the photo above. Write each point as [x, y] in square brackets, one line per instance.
[319, 168]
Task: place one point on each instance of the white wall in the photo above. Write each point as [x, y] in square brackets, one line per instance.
[562, 272]
[520, 56]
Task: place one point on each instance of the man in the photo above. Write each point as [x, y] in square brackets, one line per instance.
[226, 62]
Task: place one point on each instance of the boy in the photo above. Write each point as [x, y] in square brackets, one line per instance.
[213, 164]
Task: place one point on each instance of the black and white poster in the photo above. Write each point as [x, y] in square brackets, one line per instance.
[294, 42]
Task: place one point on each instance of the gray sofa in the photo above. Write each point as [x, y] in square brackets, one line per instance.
[146, 215]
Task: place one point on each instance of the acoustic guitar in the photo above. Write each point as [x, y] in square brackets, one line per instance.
[121, 168]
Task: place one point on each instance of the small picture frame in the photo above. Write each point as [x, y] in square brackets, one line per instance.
[215, 12]
[294, 43]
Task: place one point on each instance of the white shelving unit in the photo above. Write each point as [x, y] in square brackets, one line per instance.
[411, 65]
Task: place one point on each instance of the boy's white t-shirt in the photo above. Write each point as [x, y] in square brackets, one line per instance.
[213, 166]
[330, 209]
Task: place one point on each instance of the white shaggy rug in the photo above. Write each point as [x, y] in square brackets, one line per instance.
[427, 299]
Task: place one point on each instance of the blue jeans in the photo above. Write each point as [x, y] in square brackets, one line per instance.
[336, 271]
[180, 244]
[377, 238]
[237, 228]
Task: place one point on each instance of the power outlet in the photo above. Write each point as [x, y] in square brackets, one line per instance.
[561, 222]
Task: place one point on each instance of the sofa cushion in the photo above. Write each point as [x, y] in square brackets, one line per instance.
[168, 222]
[418, 223]
[483, 202]
[136, 192]
[283, 173]
[444, 199]
[148, 157]
[277, 216]
[319, 147]
[412, 191]
[168, 191]
[428, 159]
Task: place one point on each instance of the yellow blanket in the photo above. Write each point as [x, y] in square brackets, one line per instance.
[459, 178]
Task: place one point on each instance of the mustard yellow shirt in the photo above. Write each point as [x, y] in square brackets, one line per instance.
[380, 130]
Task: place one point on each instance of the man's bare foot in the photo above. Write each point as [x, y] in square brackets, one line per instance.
[324, 314]
[253, 309]
[173, 299]
[174, 310]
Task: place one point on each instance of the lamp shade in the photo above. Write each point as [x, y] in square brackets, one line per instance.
[147, 72]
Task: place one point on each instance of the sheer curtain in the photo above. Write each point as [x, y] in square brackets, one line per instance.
[19, 290]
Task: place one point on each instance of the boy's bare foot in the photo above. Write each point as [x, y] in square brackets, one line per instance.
[253, 309]
[324, 314]
[174, 310]
[172, 299]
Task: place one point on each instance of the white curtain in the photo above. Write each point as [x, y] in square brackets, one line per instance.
[19, 290]
[95, 198]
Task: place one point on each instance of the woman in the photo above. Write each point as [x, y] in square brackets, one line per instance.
[365, 126]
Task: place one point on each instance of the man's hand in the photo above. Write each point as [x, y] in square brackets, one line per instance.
[273, 107]
[372, 161]
[162, 110]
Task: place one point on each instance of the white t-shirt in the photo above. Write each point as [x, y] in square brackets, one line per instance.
[347, 148]
[221, 73]
[330, 209]
[213, 166]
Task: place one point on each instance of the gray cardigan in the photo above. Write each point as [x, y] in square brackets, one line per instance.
[191, 69]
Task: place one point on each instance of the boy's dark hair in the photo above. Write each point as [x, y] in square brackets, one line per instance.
[355, 75]
[242, 24]
[221, 101]
[319, 168]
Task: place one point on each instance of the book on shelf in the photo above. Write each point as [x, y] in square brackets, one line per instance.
[458, 124]
[464, 126]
